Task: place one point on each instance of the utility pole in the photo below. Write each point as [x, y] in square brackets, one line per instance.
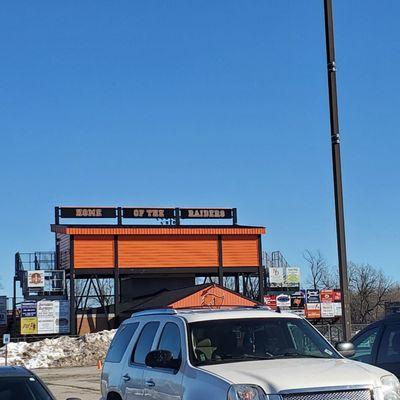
[337, 170]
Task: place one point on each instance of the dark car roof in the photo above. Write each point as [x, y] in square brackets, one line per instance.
[392, 318]
[14, 372]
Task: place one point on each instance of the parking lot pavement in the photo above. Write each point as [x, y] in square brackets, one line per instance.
[80, 382]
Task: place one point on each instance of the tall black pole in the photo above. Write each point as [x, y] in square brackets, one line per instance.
[337, 170]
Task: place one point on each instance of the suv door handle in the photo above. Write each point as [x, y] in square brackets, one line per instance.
[150, 383]
[126, 378]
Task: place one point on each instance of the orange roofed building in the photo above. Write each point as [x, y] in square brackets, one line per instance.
[143, 260]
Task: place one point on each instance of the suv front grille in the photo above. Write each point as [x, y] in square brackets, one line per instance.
[358, 394]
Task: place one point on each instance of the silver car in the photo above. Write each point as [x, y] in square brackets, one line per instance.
[234, 354]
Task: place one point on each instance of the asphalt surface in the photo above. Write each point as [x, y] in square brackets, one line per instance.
[78, 382]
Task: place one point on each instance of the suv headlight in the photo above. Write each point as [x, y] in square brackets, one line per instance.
[246, 392]
[390, 389]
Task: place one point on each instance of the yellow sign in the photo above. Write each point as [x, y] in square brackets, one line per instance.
[29, 326]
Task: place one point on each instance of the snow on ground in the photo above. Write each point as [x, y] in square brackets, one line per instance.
[61, 352]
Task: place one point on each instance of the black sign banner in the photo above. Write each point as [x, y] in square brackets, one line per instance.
[206, 213]
[88, 212]
[148, 213]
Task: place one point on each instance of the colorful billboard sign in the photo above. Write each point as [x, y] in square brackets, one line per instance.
[297, 300]
[312, 296]
[327, 295]
[45, 317]
[313, 310]
[337, 295]
[270, 301]
[35, 279]
[28, 309]
[276, 276]
[293, 276]
[283, 301]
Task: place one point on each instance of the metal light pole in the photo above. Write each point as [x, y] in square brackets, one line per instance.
[337, 170]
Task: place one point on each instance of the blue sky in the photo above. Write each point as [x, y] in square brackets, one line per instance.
[218, 103]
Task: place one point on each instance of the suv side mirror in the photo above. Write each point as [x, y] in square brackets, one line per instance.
[346, 349]
[162, 359]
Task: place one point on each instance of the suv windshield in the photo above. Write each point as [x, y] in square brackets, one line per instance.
[233, 340]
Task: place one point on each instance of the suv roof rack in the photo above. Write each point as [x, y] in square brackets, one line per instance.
[156, 311]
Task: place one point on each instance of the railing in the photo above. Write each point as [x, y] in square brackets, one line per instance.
[45, 260]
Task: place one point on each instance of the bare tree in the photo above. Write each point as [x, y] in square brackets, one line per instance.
[369, 289]
[99, 292]
[321, 275]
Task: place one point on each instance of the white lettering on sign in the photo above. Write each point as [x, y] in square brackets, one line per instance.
[206, 213]
[89, 212]
[148, 212]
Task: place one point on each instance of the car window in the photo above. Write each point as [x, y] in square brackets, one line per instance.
[234, 340]
[120, 342]
[171, 340]
[364, 346]
[301, 341]
[27, 388]
[143, 345]
[389, 350]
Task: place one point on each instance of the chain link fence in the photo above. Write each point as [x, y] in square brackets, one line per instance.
[334, 333]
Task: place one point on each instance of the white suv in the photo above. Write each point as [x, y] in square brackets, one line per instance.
[235, 354]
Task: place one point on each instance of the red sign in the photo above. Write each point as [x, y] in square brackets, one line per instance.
[270, 301]
[337, 296]
[327, 296]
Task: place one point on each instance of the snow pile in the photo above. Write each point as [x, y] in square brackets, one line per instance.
[61, 352]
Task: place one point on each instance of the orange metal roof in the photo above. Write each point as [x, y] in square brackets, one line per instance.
[156, 230]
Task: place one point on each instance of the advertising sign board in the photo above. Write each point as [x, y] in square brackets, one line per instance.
[270, 301]
[337, 295]
[45, 315]
[61, 316]
[337, 309]
[297, 300]
[29, 326]
[312, 296]
[36, 279]
[276, 276]
[293, 276]
[3, 310]
[283, 301]
[327, 296]
[327, 310]
[28, 309]
[313, 310]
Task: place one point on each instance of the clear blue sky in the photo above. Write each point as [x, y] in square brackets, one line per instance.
[213, 103]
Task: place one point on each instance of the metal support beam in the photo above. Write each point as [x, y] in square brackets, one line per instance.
[72, 305]
[261, 279]
[337, 172]
[14, 311]
[220, 262]
[117, 289]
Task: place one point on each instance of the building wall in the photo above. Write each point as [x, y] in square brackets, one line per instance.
[64, 249]
[165, 251]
